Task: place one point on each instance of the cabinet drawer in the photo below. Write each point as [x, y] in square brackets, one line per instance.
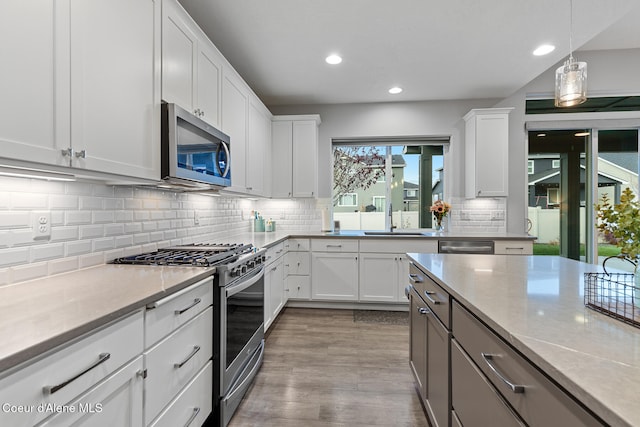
[474, 400]
[297, 263]
[436, 298]
[80, 366]
[116, 401]
[537, 400]
[399, 245]
[334, 245]
[174, 361]
[298, 287]
[297, 245]
[168, 314]
[192, 406]
[516, 247]
[274, 252]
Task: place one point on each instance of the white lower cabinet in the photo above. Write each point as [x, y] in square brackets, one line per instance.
[175, 361]
[116, 401]
[334, 276]
[78, 369]
[274, 295]
[192, 405]
[297, 287]
[379, 277]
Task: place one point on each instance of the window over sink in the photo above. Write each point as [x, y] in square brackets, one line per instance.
[371, 176]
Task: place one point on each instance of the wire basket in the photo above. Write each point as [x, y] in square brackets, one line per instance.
[613, 294]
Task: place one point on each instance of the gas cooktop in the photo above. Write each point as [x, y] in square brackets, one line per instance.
[200, 255]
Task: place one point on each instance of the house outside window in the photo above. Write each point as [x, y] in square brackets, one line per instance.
[348, 200]
[555, 164]
[530, 169]
[380, 202]
[411, 193]
[553, 196]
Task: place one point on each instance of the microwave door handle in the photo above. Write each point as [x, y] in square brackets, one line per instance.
[224, 173]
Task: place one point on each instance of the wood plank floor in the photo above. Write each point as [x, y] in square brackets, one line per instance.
[322, 368]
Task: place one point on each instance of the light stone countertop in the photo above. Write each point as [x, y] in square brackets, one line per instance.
[38, 315]
[536, 304]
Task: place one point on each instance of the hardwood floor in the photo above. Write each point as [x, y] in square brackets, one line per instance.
[322, 368]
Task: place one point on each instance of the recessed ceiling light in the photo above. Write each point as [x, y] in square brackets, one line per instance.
[395, 90]
[541, 135]
[333, 59]
[581, 134]
[544, 49]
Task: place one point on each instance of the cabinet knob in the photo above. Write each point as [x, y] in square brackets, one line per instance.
[81, 154]
[67, 152]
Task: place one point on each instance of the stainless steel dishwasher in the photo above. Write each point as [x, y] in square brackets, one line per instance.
[466, 247]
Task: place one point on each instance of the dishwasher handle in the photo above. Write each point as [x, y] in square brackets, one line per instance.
[465, 247]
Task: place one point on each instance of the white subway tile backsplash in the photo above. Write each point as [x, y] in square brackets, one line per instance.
[14, 256]
[91, 203]
[64, 233]
[78, 247]
[45, 252]
[103, 244]
[78, 217]
[62, 265]
[29, 201]
[102, 217]
[32, 271]
[63, 201]
[91, 231]
[15, 219]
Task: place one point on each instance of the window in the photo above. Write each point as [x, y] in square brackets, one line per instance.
[348, 199]
[553, 196]
[530, 167]
[379, 202]
[555, 164]
[370, 177]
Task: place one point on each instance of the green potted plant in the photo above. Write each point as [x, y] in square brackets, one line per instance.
[620, 225]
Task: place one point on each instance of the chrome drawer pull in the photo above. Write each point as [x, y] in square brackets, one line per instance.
[423, 310]
[433, 301]
[334, 246]
[196, 348]
[195, 302]
[514, 387]
[50, 389]
[193, 416]
[414, 278]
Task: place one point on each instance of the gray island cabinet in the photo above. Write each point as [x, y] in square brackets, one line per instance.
[508, 341]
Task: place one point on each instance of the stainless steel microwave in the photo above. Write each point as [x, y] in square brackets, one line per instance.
[194, 153]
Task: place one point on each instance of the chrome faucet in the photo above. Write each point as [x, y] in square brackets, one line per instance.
[391, 226]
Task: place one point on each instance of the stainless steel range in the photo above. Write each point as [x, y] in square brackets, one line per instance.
[239, 303]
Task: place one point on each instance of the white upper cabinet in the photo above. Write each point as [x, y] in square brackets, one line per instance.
[27, 119]
[259, 149]
[235, 112]
[82, 94]
[487, 152]
[295, 156]
[115, 83]
[191, 65]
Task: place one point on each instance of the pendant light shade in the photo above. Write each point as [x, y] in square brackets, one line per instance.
[571, 78]
[571, 83]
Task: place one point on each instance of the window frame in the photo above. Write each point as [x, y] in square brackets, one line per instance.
[342, 196]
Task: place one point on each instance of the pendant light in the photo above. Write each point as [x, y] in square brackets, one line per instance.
[571, 78]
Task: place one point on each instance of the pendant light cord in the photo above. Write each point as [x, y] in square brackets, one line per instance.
[570, 31]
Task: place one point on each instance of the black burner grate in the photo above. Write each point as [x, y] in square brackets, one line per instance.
[201, 255]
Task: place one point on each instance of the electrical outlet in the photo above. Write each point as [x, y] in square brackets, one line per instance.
[41, 225]
[196, 217]
[282, 214]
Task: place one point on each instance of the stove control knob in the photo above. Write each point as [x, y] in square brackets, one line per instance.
[235, 272]
[251, 264]
[243, 268]
[264, 258]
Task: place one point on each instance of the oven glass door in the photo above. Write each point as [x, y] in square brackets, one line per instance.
[200, 155]
[245, 315]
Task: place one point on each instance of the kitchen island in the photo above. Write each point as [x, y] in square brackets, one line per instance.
[535, 305]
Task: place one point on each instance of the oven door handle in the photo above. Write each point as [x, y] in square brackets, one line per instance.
[245, 283]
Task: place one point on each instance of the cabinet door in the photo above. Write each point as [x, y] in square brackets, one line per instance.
[115, 402]
[234, 123]
[179, 54]
[209, 81]
[258, 148]
[297, 287]
[437, 387]
[297, 263]
[403, 275]
[418, 342]
[29, 60]
[282, 159]
[305, 158]
[378, 277]
[115, 86]
[335, 276]
[273, 291]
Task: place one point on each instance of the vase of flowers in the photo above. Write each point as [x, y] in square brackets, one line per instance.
[440, 209]
[620, 225]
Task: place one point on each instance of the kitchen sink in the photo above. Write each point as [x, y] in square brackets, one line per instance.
[393, 233]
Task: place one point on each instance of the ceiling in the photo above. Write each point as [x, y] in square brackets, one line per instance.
[434, 50]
